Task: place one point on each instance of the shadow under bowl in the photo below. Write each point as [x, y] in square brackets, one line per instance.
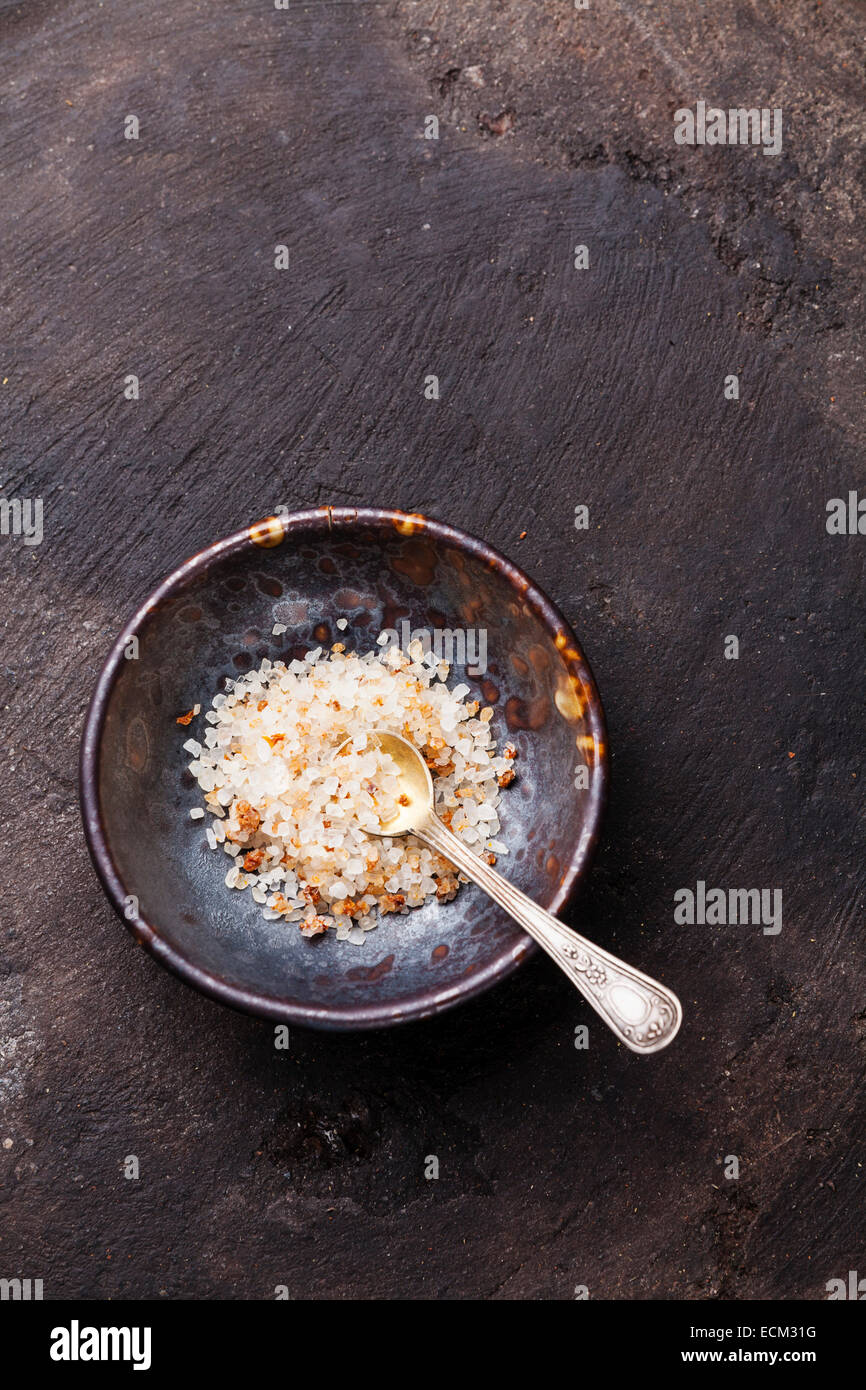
[212, 619]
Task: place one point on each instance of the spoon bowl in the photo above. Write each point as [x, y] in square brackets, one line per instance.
[644, 1014]
[416, 784]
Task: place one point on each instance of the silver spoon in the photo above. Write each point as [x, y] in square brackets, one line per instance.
[643, 1014]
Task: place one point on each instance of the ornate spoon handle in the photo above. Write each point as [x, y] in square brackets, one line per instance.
[643, 1013]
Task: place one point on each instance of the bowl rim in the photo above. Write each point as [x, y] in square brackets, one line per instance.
[268, 533]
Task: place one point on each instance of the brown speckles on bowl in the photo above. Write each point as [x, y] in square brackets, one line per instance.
[527, 714]
[570, 698]
[593, 749]
[417, 561]
[268, 533]
[270, 586]
[371, 568]
[137, 750]
[407, 523]
[370, 973]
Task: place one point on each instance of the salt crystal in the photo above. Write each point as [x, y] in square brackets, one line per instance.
[315, 811]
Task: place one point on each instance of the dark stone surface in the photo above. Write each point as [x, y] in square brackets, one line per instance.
[603, 387]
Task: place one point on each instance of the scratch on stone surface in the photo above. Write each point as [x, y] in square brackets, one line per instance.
[652, 38]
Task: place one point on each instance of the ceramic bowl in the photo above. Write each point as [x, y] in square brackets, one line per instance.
[212, 619]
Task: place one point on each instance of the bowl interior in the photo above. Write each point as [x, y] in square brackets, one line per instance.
[214, 620]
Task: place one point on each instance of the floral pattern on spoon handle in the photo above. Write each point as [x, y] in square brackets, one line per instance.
[643, 1014]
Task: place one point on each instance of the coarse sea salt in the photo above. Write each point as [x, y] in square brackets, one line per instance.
[296, 818]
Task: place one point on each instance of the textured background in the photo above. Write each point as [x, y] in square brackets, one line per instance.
[604, 387]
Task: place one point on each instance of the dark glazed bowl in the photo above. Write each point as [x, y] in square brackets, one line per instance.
[212, 619]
